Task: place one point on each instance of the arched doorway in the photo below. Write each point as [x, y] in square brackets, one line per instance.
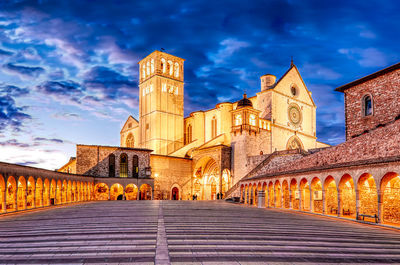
[53, 188]
[145, 192]
[39, 193]
[30, 196]
[286, 197]
[316, 190]
[2, 188]
[278, 194]
[101, 192]
[21, 194]
[207, 174]
[11, 194]
[295, 194]
[390, 188]
[347, 196]
[175, 193]
[271, 197]
[131, 192]
[367, 194]
[305, 195]
[331, 196]
[264, 188]
[115, 191]
[46, 193]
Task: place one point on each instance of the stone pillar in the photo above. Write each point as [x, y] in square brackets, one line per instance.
[311, 200]
[300, 207]
[261, 199]
[41, 197]
[16, 200]
[274, 199]
[380, 206]
[358, 202]
[4, 201]
[34, 199]
[48, 197]
[290, 199]
[268, 197]
[323, 202]
[26, 199]
[282, 199]
[339, 207]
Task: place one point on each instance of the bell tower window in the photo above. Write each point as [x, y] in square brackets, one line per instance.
[367, 106]
[213, 127]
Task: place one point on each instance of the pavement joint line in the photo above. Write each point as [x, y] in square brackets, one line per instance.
[162, 253]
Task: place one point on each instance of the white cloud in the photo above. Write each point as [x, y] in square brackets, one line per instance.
[369, 57]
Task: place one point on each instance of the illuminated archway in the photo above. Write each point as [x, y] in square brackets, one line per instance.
[285, 193]
[367, 194]
[226, 181]
[331, 196]
[30, 194]
[278, 194]
[59, 192]
[295, 194]
[131, 192]
[2, 193]
[116, 192]
[347, 196]
[271, 197]
[316, 190]
[207, 179]
[73, 191]
[11, 194]
[46, 193]
[246, 194]
[21, 194]
[264, 188]
[242, 193]
[69, 191]
[39, 193]
[64, 190]
[145, 192]
[53, 191]
[390, 188]
[175, 193]
[101, 192]
[305, 195]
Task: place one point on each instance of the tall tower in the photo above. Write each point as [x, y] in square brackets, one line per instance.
[161, 102]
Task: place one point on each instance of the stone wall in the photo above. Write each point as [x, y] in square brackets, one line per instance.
[93, 160]
[385, 92]
[169, 172]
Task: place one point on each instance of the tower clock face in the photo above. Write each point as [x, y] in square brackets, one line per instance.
[294, 114]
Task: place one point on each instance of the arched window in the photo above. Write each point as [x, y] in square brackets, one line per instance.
[163, 65]
[189, 134]
[367, 105]
[294, 143]
[176, 70]
[111, 166]
[170, 67]
[148, 68]
[130, 141]
[135, 169]
[252, 120]
[123, 166]
[238, 119]
[152, 66]
[214, 127]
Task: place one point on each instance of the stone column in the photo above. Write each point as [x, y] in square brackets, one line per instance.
[274, 198]
[380, 206]
[16, 200]
[339, 207]
[48, 196]
[4, 201]
[26, 198]
[311, 200]
[109, 193]
[290, 199]
[358, 204]
[300, 207]
[282, 199]
[261, 199]
[268, 197]
[323, 202]
[41, 197]
[34, 199]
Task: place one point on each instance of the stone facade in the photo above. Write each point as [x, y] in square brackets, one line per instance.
[93, 160]
[383, 87]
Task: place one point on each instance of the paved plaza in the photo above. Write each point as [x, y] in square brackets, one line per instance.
[188, 232]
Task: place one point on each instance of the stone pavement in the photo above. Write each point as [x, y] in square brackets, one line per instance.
[187, 232]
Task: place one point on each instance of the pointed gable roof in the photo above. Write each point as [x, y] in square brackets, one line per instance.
[130, 119]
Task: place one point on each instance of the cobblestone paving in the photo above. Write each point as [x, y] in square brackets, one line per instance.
[185, 232]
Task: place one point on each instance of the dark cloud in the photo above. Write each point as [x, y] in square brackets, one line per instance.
[11, 116]
[5, 53]
[62, 90]
[48, 140]
[14, 91]
[14, 143]
[56, 75]
[24, 71]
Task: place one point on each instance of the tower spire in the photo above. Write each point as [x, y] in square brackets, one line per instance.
[291, 61]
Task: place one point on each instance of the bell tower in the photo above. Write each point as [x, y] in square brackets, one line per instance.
[161, 102]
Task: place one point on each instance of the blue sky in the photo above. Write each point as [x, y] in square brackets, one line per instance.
[68, 69]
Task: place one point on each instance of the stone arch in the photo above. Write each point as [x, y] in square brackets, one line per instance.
[39, 193]
[53, 191]
[207, 175]
[101, 192]
[286, 194]
[73, 191]
[367, 194]
[11, 194]
[331, 195]
[226, 180]
[175, 192]
[294, 189]
[59, 192]
[30, 193]
[46, 192]
[278, 194]
[305, 195]
[241, 193]
[347, 196]
[130, 141]
[21, 193]
[246, 194]
[294, 142]
[64, 190]
[116, 192]
[265, 189]
[316, 195]
[131, 192]
[3, 202]
[69, 191]
[271, 194]
[390, 198]
[145, 192]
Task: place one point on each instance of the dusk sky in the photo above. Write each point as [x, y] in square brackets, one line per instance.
[69, 73]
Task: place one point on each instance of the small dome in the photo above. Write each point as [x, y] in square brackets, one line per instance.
[244, 102]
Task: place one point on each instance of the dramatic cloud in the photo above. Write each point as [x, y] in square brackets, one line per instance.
[11, 116]
[23, 71]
